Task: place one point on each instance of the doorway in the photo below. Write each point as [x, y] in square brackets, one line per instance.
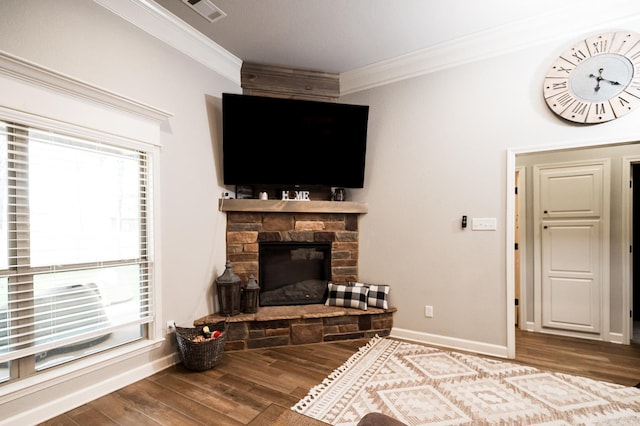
[620, 155]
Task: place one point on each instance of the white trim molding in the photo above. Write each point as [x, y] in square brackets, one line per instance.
[627, 253]
[32, 73]
[617, 338]
[558, 24]
[450, 342]
[44, 94]
[168, 28]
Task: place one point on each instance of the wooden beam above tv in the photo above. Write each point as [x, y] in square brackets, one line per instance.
[280, 82]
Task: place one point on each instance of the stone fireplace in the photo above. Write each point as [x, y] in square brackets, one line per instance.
[323, 225]
[311, 237]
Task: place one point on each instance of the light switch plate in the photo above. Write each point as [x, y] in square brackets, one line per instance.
[484, 224]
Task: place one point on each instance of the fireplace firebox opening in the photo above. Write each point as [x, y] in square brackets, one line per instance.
[294, 273]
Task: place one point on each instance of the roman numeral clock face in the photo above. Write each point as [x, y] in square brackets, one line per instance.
[596, 80]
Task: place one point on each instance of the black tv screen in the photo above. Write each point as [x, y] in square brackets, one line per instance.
[274, 141]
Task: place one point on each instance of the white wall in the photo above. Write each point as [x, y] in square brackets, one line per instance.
[84, 40]
[437, 150]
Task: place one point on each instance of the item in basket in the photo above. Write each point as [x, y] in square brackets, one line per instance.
[216, 334]
[206, 331]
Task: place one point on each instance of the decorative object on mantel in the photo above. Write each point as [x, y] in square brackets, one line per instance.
[228, 285]
[338, 194]
[244, 192]
[251, 294]
[296, 196]
[593, 81]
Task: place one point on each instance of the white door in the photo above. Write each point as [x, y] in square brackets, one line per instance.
[570, 209]
[571, 276]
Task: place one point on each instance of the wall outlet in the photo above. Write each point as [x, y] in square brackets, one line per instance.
[428, 311]
[171, 326]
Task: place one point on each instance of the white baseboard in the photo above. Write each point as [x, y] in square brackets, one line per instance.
[86, 394]
[450, 342]
[615, 337]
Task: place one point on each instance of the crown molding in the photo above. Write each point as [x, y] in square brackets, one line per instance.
[559, 24]
[170, 29]
[38, 75]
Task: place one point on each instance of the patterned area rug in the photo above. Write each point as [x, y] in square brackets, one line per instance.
[419, 385]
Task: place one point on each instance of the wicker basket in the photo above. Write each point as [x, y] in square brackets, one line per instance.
[200, 356]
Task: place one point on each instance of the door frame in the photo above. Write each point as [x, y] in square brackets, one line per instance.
[627, 264]
[521, 184]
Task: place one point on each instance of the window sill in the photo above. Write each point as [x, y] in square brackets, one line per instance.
[11, 391]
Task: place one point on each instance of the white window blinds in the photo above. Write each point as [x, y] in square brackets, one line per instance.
[75, 266]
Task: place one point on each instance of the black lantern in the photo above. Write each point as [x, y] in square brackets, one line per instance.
[228, 285]
[251, 292]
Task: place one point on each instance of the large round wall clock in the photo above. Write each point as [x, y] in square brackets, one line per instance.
[597, 79]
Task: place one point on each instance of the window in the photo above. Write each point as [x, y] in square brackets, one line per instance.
[75, 263]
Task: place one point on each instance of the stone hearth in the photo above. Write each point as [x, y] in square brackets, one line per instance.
[296, 325]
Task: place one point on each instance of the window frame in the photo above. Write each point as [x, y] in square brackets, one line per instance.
[24, 365]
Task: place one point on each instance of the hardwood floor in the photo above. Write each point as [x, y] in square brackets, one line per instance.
[608, 362]
[258, 387]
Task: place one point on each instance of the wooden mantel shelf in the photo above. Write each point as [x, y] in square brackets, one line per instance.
[280, 206]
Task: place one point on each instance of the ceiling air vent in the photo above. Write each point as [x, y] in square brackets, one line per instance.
[206, 9]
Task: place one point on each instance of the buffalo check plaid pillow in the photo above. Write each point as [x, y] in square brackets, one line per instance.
[347, 296]
[378, 294]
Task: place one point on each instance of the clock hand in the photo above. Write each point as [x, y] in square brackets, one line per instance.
[599, 78]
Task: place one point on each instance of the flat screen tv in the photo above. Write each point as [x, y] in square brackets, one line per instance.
[274, 141]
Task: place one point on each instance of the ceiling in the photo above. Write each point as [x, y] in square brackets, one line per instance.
[344, 35]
